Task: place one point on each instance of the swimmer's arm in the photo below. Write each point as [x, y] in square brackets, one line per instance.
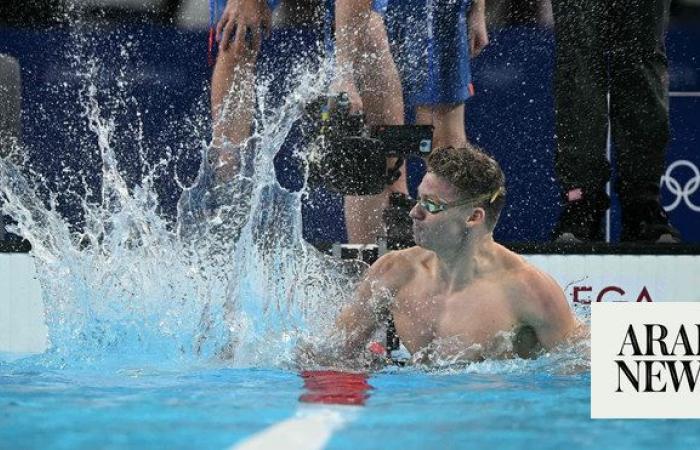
[345, 345]
[370, 306]
[545, 309]
[360, 319]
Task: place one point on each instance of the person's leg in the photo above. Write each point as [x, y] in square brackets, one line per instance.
[232, 106]
[434, 60]
[233, 95]
[446, 84]
[380, 87]
[639, 115]
[241, 26]
[447, 121]
[581, 89]
[380, 90]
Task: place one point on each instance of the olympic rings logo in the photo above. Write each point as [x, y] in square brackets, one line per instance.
[685, 192]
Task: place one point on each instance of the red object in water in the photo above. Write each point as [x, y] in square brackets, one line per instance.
[335, 387]
[377, 348]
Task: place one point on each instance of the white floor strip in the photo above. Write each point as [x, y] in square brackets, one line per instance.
[310, 429]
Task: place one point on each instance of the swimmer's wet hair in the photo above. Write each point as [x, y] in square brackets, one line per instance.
[475, 175]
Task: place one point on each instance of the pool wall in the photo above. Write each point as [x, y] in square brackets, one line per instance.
[586, 278]
[22, 328]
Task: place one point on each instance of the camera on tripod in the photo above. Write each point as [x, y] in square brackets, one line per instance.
[353, 156]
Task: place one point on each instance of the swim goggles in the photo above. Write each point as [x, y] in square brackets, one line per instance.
[434, 207]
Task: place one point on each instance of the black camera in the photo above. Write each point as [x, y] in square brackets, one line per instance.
[353, 156]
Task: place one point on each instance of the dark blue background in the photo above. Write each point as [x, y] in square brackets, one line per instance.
[511, 116]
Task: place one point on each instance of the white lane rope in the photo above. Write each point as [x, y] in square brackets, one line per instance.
[309, 429]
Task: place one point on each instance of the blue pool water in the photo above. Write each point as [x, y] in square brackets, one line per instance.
[214, 408]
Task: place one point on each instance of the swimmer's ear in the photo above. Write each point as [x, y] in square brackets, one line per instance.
[477, 217]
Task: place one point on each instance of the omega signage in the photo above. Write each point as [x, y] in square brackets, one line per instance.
[587, 294]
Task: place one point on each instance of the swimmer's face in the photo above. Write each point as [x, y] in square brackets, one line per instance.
[442, 229]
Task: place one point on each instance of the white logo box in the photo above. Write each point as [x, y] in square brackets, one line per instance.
[650, 392]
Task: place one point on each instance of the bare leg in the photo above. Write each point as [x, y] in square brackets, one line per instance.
[380, 87]
[363, 217]
[233, 104]
[448, 123]
[376, 75]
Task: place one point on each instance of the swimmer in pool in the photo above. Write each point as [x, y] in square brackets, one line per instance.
[458, 294]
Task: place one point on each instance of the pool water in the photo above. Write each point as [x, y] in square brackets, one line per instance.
[216, 407]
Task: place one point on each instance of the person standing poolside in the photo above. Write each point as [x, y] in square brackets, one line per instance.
[458, 294]
[434, 40]
[611, 70]
[365, 70]
[240, 27]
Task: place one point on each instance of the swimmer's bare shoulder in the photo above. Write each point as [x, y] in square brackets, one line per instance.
[539, 302]
[395, 269]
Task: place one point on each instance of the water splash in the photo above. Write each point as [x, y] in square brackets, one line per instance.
[232, 278]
